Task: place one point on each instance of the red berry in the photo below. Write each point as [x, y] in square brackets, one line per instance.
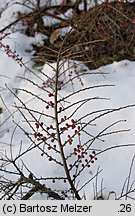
[51, 104]
[70, 141]
[37, 125]
[35, 135]
[76, 132]
[47, 107]
[39, 134]
[73, 121]
[75, 66]
[50, 95]
[50, 159]
[64, 128]
[52, 140]
[62, 120]
[73, 126]
[65, 181]
[7, 46]
[49, 147]
[53, 181]
[51, 126]
[44, 138]
[91, 156]
[79, 127]
[53, 134]
[60, 109]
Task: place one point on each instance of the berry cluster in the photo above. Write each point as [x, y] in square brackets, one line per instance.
[50, 103]
[71, 125]
[49, 134]
[50, 84]
[37, 135]
[69, 128]
[74, 73]
[116, 9]
[3, 36]
[83, 158]
[9, 52]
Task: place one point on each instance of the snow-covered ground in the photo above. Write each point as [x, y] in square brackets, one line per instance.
[115, 163]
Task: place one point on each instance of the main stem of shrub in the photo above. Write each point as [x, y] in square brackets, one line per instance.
[59, 138]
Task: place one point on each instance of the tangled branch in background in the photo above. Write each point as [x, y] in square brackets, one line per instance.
[58, 131]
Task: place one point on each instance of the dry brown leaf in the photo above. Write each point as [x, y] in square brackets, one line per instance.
[54, 36]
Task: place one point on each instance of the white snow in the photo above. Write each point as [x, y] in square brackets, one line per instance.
[114, 163]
